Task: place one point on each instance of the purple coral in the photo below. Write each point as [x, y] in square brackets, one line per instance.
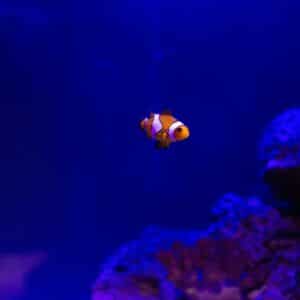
[134, 273]
[257, 258]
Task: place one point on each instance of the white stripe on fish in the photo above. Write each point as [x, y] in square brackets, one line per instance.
[156, 125]
[172, 129]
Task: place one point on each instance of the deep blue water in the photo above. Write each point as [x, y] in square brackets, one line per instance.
[78, 178]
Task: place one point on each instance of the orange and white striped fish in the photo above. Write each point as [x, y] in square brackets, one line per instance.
[164, 128]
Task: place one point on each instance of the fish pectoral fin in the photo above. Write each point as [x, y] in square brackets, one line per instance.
[162, 145]
[158, 145]
[161, 135]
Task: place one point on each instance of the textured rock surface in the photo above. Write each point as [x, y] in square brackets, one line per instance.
[251, 252]
[280, 145]
[280, 154]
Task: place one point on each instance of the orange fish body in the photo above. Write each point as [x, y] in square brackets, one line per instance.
[165, 129]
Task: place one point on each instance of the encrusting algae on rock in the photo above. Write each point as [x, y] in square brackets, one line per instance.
[251, 252]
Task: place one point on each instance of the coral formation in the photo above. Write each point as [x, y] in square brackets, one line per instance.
[250, 252]
[135, 273]
[258, 255]
[280, 144]
[280, 153]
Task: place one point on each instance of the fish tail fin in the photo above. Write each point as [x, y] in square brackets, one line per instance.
[143, 123]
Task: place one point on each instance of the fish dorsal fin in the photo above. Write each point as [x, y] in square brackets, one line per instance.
[151, 115]
[166, 112]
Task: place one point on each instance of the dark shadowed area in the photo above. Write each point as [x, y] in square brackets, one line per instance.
[78, 178]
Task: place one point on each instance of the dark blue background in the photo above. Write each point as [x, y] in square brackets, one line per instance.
[77, 176]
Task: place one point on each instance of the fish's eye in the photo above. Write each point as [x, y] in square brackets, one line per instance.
[179, 129]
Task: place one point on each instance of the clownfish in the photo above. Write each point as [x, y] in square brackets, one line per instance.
[164, 128]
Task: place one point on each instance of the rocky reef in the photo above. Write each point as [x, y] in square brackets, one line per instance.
[250, 252]
[279, 153]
